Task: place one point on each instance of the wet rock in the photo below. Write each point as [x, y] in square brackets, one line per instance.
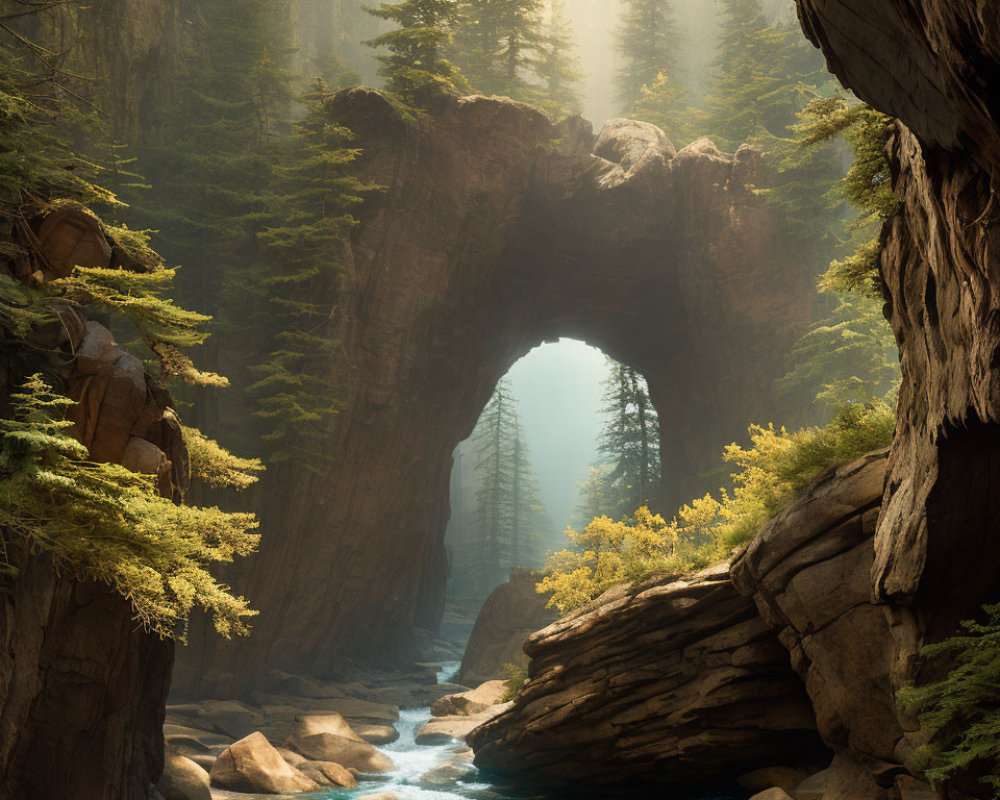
[381, 796]
[470, 703]
[183, 779]
[252, 765]
[180, 737]
[512, 612]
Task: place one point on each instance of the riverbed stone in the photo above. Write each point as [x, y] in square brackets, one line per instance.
[253, 765]
[377, 734]
[312, 724]
[230, 717]
[472, 702]
[353, 754]
[441, 730]
[328, 773]
[380, 796]
[774, 793]
[183, 779]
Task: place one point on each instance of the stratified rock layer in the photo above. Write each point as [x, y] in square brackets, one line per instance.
[681, 682]
[809, 571]
[496, 231]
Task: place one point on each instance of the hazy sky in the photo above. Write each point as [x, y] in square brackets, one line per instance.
[558, 387]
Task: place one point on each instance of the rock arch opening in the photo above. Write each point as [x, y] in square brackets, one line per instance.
[497, 230]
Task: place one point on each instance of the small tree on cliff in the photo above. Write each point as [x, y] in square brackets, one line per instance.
[415, 67]
[630, 440]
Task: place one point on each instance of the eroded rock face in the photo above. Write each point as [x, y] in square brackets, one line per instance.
[512, 612]
[495, 232]
[937, 555]
[681, 682]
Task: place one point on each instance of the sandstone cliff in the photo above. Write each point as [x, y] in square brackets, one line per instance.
[495, 232]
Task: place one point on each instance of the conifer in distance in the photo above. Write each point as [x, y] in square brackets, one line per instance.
[415, 66]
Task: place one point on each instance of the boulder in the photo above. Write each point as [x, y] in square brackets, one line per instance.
[291, 756]
[377, 734]
[380, 796]
[312, 724]
[195, 740]
[512, 612]
[352, 753]
[469, 703]
[183, 779]
[359, 711]
[441, 730]
[328, 773]
[252, 765]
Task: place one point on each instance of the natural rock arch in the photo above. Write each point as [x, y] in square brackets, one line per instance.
[495, 231]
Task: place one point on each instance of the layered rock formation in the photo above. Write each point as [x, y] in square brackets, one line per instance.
[495, 232]
[808, 571]
[512, 612]
[679, 682]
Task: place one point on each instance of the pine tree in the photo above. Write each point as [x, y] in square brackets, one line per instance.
[415, 68]
[494, 441]
[630, 441]
[500, 45]
[558, 63]
[758, 75]
[646, 42]
[313, 194]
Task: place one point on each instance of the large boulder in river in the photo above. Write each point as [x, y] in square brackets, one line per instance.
[352, 753]
[512, 612]
[441, 730]
[252, 765]
[677, 682]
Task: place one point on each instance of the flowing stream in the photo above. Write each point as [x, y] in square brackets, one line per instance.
[414, 761]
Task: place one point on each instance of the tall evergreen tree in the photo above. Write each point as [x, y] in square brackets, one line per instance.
[494, 440]
[630, 440]
[758, 75]
[500, 46]
[415, 67]
[646, 42]
[558, 63]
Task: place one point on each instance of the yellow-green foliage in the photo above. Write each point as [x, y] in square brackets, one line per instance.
[217, 467]
[102, 522]
[517, 676]
[607, 553]
[961, 709]
[768, 475]
[164, 326]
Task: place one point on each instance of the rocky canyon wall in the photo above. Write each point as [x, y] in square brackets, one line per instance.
[936, 66]
[495, 231]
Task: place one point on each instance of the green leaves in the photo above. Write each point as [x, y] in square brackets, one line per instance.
[962, 710]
